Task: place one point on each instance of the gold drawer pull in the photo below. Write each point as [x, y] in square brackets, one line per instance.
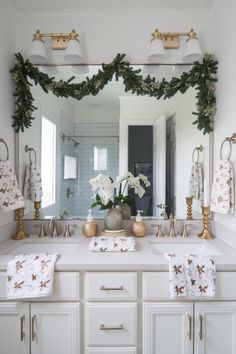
[22, 328]
[189, 327]
[200, 330]
[33, 329]
[108, 288]
[111, 328]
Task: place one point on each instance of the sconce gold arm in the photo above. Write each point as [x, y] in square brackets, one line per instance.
[59, 40]
[171, 39]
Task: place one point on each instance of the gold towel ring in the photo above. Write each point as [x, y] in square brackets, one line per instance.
[30, 150]
[198, 150]
[3, 141]
[230, 148]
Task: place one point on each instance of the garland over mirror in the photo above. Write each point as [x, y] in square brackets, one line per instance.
[202, 76]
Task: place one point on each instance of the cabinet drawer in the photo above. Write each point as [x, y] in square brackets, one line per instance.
[66, 287]
[110, 324]
[110, 286]
[111, 351]
[156, 286]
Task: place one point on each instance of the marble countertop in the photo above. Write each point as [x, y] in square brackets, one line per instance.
[79, 257]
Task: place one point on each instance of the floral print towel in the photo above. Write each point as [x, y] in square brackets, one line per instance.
[33, 183]
[191, 275]
[222, 194]
[196, 181]
[10, 194]
[112, 244]
[30, 275]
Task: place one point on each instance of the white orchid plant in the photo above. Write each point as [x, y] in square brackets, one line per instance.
[109, 194]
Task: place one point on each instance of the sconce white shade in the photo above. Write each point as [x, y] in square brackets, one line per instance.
[73, 51]
[192, 50]
[38, 52]
[157, 49]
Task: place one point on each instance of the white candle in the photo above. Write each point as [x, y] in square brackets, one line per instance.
[206, 201]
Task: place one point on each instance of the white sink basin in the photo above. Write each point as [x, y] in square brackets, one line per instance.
[197, 248]
[59, 248]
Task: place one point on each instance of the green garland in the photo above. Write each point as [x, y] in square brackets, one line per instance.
[202, 76]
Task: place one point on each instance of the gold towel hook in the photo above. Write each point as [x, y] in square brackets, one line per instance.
[197, 149]
[30, 150]
[231, 140]
[3, 141]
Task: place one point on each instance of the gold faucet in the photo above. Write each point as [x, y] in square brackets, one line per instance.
[172, 232]
[53, 224]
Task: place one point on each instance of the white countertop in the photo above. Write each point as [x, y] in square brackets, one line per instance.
[143, 259]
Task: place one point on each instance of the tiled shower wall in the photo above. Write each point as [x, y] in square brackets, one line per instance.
[95, 135]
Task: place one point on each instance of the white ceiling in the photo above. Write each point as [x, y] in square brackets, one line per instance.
[70, 6]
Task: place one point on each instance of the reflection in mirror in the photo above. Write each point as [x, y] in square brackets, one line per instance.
[112, 133]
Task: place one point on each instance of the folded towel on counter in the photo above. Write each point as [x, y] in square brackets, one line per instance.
[222, 194]
[112, 244]
[10, 194]
[191, 275]
[33, 183]
[196, 181]
[30, 275]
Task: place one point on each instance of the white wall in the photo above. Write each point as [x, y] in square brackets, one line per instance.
[221, 43]
[6, 99]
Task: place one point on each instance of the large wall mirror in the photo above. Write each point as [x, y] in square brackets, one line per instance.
[111, 133]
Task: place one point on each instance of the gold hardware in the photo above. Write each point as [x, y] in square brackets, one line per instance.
[30, 150]
[189, 202]
[106, 288]
[3, 141]
[42, 231]
[173, 224]
[67, 232]
[53, 224]
[231, 140]
[185, 232]
[159, 233]
[33, 328]
[197, 149]
[111, 328]
[22, 328]
[171, 39]
[190, 327]
[59, 40]
[206, 232]
[201, 325]
[37, 206]
[20, 235]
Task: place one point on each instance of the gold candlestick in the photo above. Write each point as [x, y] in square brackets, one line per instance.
[20, 235]
[206, 232]
[189, 202]
[37, 206]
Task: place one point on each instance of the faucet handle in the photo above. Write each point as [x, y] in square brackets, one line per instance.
[185, 232]
[42, 231]
[159, 232]
[67, 232]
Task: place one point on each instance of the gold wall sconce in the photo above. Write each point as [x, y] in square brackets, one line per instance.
[171, 40]
[69, 42]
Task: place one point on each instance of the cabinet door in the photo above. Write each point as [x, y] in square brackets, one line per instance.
[168, 328]
[14, 328]
[215, 328]
[55, 328]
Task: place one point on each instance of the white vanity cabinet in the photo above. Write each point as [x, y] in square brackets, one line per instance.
[55, 328]
[215, 327]
[188, 327]
[46, 325]
[14, 328]
[111, 312]
[167, 328]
